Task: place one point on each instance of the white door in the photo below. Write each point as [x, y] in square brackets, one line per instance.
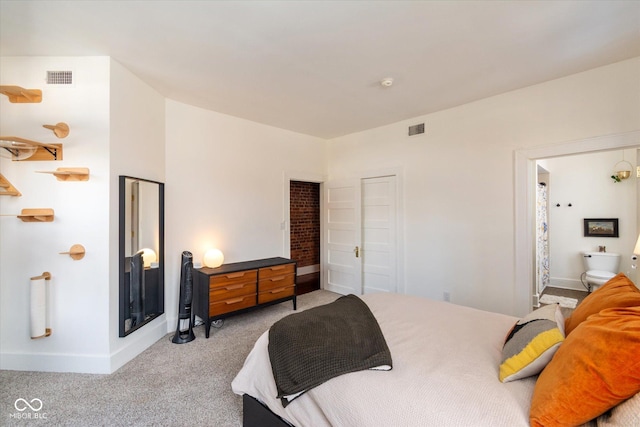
[343, 228]
[361, 235]
[379, 234]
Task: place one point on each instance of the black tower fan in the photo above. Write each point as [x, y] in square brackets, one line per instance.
[184, 304]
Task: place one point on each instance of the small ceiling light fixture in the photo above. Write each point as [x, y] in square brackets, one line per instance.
[386, 82]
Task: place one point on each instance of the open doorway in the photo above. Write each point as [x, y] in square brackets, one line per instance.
[525, 180]
[304, 232]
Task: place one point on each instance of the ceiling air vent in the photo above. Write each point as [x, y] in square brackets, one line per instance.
[416, 129]
[60, 78]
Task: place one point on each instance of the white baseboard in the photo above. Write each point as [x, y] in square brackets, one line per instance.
[536, 300]
[51, 362]
[308, 269]
[139, 341]
[572, 284]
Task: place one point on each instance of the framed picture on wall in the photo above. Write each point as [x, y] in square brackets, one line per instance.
[601, 227]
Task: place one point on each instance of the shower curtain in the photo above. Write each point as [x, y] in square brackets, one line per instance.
[542, 237]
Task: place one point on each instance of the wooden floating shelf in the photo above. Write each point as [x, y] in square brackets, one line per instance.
[15, 145]
[36, 215]
[76, 252]
[70, 174]
[21, 95]
[6, 188]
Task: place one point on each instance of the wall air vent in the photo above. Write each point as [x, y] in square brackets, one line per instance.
[60, 78]
[416, 129]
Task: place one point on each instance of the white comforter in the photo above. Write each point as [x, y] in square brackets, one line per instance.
[445, 373]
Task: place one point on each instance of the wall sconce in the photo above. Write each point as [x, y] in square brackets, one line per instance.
[622, 170]
[213, 258]
[149, 257]
[634, 256]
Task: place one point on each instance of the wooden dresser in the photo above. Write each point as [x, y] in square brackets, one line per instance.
[242, 286]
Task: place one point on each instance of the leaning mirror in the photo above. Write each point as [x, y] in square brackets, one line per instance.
[141, 258]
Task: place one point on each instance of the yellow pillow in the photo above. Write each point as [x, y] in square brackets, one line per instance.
[617, 292]
[595, 368]
[531, 343]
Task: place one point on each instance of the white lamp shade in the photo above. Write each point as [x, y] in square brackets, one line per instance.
[636, 250]
[148, 256]
[213, 258]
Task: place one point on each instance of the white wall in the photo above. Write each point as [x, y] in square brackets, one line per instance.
[137, 149]
[226, 185]
[584, 182]
[225, 188]
[117, 127]
[459, 176]
[80, 289]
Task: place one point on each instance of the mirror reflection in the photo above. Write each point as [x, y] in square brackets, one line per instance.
[141, 252]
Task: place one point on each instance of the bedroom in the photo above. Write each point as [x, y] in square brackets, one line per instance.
[121, 125]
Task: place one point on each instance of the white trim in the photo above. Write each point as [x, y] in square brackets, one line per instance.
[144, 338]
[87, 363]
[308, 269]
[287, 177]
[398, 172]
[524, 179]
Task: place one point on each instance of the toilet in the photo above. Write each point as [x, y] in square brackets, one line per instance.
[600, 266]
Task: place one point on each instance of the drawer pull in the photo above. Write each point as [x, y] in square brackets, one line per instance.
[275, 291]
[234, 301]
[277, 279]
[231, 288]
[278, 267]
[235, 275]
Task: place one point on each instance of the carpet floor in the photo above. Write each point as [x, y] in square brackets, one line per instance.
[166, 385]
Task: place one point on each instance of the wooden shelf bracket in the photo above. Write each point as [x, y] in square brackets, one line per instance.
[70, 174]
[76, 252]
[26, 149]
[36, 215]
[6, 188]
[61, 130]
[21, 95]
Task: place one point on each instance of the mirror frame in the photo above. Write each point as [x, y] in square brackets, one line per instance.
[122, 255]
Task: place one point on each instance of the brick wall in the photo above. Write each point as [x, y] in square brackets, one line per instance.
[305, 222]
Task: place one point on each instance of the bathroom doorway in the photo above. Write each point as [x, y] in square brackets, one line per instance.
[526, 182]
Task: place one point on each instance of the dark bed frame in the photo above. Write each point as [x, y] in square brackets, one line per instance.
[255, 414]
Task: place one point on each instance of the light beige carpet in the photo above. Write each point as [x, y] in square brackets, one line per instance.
[167, 385]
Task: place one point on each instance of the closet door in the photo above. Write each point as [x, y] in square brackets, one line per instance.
[379, 234]
[343, 237]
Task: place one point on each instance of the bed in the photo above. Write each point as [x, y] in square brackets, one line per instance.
[445, 372]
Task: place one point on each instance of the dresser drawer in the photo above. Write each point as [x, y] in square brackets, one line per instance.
[232, 291]
[277, 270]
[276, 293]
[230, 279]
[226, 306]
[275, 282]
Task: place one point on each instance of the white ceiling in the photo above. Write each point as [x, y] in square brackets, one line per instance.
[314, 66]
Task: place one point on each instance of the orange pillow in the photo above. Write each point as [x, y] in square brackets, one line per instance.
[597, 367]
[617, 292]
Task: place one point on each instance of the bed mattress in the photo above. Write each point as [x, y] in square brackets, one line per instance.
[445, 373]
